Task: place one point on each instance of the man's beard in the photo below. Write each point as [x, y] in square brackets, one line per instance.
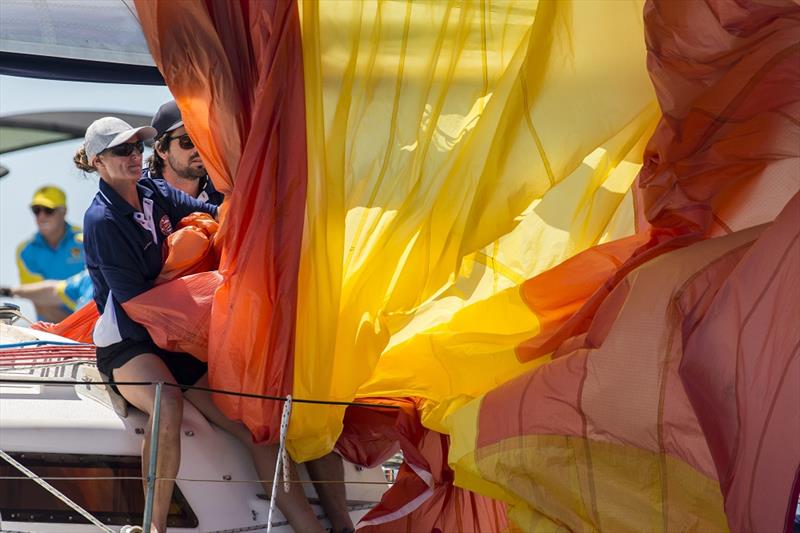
[188, 172]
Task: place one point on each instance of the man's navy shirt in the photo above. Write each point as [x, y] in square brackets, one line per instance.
[125, 250]
[207, 194]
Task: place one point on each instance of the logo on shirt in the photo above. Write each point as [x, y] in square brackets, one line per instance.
[75, 252]
[165, 225]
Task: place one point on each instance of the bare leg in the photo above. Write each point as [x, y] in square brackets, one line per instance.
[332, 495]
[294, 505]
[149, 367]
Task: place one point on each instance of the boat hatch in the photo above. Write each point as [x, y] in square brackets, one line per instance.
[109, 487]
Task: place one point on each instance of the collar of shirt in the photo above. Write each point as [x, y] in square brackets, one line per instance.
[69, 235]
[117, 202]
[208, 193]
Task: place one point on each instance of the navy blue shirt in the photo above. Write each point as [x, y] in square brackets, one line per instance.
[125, 250]
[207, 194]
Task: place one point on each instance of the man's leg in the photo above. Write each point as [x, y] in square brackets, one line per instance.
[333, 496]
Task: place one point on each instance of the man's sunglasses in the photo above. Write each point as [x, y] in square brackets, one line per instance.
[124, 150]
[42, 209]
[184, 141]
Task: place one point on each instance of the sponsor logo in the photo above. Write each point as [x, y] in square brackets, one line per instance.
[165, 225]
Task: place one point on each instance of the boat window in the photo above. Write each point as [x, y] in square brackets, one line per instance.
[111, 500]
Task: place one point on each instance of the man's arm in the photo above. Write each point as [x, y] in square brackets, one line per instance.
[44, 295]
[40, 293]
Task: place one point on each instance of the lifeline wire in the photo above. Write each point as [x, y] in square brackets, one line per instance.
[191, 387]
[197, 480]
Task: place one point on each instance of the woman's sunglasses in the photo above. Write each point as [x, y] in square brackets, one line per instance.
[184, 141]
[124, 150]
[42, 209]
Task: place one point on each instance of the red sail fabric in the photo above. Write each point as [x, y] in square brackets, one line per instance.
[423, 497]
[741, 371]
[236, 71]
[723, 158]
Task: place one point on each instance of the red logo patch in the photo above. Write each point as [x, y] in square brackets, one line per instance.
[166, 225]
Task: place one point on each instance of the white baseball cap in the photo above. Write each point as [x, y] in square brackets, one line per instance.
[108, 132]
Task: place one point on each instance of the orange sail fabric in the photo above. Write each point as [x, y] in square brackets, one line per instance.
[236, 71]
[177, 314]
[78, 326]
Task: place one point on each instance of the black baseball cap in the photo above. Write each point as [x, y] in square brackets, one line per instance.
[167, 118]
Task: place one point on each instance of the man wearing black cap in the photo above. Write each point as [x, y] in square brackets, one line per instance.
[175, 158]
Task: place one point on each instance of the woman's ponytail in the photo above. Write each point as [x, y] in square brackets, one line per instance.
[81, 160]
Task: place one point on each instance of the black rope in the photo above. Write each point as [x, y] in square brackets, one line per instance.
[204, 389]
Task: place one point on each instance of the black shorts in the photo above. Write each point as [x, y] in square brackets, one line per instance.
[185, 368]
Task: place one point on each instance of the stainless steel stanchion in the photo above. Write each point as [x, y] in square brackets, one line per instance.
[151, 470]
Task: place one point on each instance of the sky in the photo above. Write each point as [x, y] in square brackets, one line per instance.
[52, 164]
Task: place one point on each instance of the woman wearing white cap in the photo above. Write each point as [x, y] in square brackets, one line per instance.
[124, 232]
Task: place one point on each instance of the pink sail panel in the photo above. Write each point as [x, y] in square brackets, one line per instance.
[741, 370]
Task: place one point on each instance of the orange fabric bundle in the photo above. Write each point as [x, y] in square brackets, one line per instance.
[191, 250]
[177, 314]
[177, 311]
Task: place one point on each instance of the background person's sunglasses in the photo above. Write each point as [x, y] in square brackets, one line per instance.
[42, 209]
[124, 150]
[184, 141]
